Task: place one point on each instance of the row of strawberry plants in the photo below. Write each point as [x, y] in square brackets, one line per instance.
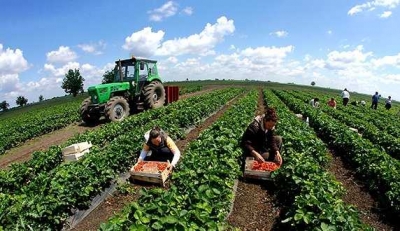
[376, 167]
[362, 122]
[50, 198]
[202, 183]
[44, 161]
[311, 195]
[14, 131]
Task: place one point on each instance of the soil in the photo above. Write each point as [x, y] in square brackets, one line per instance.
[255, 204]
[24, 152]
[115, 203]
[358, 196]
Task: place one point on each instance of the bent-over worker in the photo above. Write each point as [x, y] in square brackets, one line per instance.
[162, 148]
[259, 139]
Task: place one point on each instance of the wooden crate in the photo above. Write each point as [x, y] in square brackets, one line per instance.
[151, 177]
[255, 174]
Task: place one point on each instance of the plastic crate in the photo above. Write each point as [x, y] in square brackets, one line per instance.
[74, 156]
[76, 148]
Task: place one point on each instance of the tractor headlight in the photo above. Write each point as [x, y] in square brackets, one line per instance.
[94, 99]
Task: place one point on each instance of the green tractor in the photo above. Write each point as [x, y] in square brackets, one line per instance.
[136, 87]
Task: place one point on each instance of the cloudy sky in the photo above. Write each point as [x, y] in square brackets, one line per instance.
[336, 43]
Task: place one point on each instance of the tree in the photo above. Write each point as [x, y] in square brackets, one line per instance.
[21, 100]
[4, 105]
[73, 82]
[312, 83]
[41, 98]
[108, 77]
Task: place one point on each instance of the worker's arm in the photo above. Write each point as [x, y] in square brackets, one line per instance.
[247, 144]
[278, 158]
[144, 152]
[174, 149]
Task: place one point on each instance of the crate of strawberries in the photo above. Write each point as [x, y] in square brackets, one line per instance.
[259, 170]
[151, 171]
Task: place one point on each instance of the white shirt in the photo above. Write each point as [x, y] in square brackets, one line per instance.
[345, 94]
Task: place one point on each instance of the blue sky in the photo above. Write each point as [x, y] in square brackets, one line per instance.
[338, 44]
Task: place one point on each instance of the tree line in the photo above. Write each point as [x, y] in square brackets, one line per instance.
[72, 84]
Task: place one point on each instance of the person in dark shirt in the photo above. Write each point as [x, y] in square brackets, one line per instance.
[375, 100]
[259, 139]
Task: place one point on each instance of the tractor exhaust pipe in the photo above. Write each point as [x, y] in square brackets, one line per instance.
[120, 70]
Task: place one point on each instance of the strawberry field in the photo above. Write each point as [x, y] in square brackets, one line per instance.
[207, 190]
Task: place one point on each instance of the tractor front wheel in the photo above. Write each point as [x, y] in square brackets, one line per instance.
[117, 109]
[88, 118]
[154, 95]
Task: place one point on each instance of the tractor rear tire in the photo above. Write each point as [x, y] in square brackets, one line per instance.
[154, 95]
[85, 115]
[117, 109]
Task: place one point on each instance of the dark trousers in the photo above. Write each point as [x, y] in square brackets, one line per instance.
[162, 157]
[345, 101]
[374, 105]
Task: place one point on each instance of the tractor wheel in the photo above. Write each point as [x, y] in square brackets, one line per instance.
[85, 115]
[154, 95]
[117, 109]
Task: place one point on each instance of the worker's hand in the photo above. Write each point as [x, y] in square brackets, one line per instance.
[139, 160]
[278, 158]
[170, 167]
[258, 157]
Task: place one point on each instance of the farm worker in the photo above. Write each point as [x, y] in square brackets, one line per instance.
[162, 148]
[332, 103]
[345, 96]
[259, 139]
[375, 99]
[314, 102]
[388, 102]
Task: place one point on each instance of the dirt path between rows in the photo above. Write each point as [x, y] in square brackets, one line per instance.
[24, 152]
[359, 196]
[116, 202]
[254, 207]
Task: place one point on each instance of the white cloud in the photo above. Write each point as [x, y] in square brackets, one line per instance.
[386, 14]
[280, 33]
[202, 43]
[62, 55]
[93, 48]
[144, 43]
[167, 10]
[188, 10]
[61, 71]
[8, 83]
[344, 59]
[372, 5]
[329, 32]
[12, 61]
[267, 53]
[393, 60]
[173, 60]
